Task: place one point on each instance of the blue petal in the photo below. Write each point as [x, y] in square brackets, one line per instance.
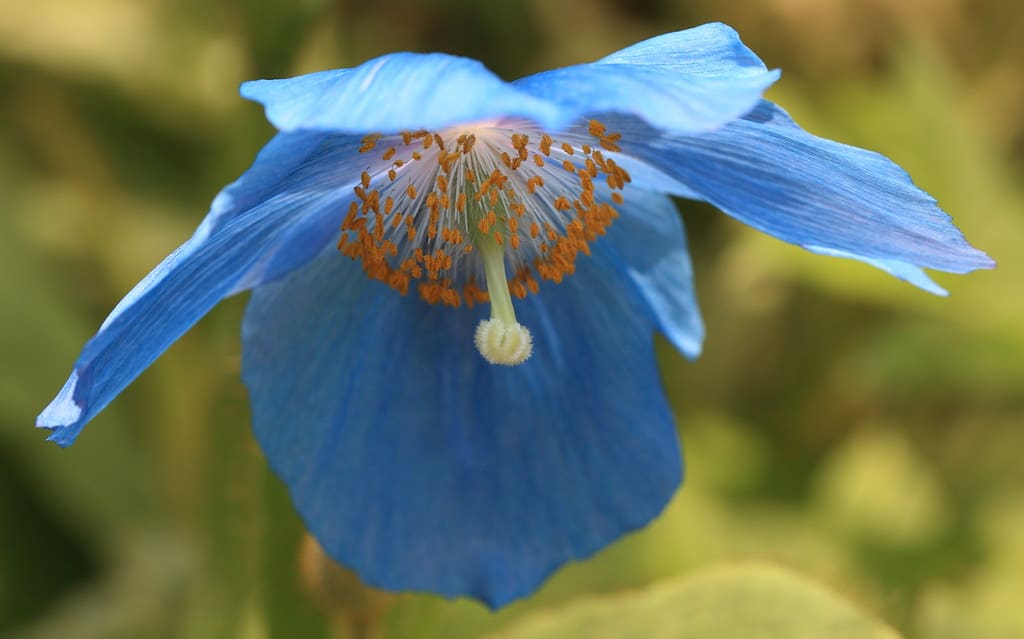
[684, 82]
[423, 467]
[399, 91]
[274, 218]
[822, 195]
[649, 242]
[772, 114]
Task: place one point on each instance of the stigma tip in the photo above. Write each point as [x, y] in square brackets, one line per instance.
[502, 343]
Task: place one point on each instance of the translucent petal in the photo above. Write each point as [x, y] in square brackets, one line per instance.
[649, 242]
[684, 82]
[823, 195]
[395, 92]
[902, 270]
[277, 216]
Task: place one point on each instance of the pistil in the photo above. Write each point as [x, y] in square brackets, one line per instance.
[433, 209]
[500, 339]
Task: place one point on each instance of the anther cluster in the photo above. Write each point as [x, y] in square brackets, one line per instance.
[429, 200]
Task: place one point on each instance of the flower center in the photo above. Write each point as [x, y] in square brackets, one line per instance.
[454, 208]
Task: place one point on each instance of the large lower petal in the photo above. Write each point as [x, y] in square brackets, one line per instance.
[684, 82]
[421, 466]
[828, 197]
[274, 218]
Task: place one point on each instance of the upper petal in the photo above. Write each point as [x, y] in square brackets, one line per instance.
[399, 91]
[421, 466]
[712, 49]
[687, 81]
[684, 82]
[825, 196]
[277, 216]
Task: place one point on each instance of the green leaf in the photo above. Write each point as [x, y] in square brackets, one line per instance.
[739, 600]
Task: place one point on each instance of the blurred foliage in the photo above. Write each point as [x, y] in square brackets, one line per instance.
[841, 423]
[731, 601]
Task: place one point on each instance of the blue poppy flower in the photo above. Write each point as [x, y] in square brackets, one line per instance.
[435, 434]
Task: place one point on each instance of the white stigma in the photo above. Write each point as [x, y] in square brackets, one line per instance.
[501, 343]
[500, 339]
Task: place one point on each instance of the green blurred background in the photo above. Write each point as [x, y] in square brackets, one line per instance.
[840, 423]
